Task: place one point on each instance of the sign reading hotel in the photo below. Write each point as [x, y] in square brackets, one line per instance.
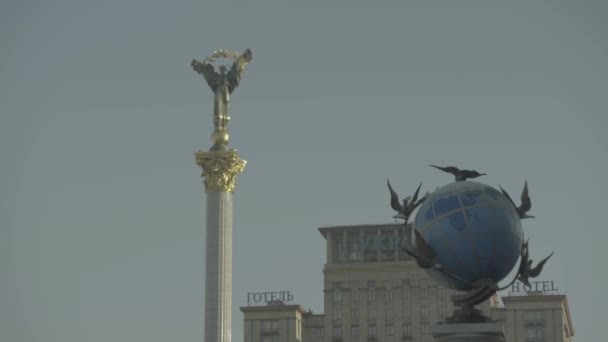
[535, 287]
[267, 297]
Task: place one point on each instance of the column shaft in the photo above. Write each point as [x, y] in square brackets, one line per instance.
[218, 272]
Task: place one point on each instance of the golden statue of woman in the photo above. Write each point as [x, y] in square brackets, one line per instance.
[222, 83]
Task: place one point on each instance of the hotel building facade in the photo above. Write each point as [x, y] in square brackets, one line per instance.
[373, 291]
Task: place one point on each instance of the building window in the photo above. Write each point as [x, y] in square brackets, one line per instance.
[371, 331]
[339, 250]
[336, 293]
[390, 330]
[407, 330]
[424, 313]
[424, 328]
[354, 246]
[354, 332]
[371, 291]
[389, 312]
[337, 314]
[406, 293]
[441, 292]
[337, 331]
[535, 335]
[354, 315]
[535, 318]
[424, 293]
[389, 295]
[270, 326]
[355, 294]
[406, 309]
[319, 331]
[371, 313]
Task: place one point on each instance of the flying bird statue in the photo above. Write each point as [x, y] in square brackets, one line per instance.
[410, 203]
[526, 271]
[526, 204]
[459, 175]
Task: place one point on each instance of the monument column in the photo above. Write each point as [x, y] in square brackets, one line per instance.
[220, 171]
[221, 166]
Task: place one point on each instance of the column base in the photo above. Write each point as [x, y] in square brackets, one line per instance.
[468, 332]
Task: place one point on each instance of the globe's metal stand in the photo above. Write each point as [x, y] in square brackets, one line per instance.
[468, 323]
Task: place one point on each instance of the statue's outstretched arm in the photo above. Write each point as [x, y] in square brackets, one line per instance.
[238, 69]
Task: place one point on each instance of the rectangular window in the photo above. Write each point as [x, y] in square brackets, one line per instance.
[337, 331]
[319, 332]
[270, 325]
[354, 244]
[407, 330]
[390, 330]
[424, 293]
[441, 292]
[389, 312]
[406, 293]
[371, 294]
[371, 331]
[536, 335]
[535, 318]
[355, 294]
[371, 313]
[424, 313]
[389, 294]
[354, 332]
[371, 291]
[337, 314]
[336, 293]
[354, 315]
[406, 309]
[339, 250]
[424, 328]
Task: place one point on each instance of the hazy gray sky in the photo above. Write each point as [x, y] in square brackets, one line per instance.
[102, 206]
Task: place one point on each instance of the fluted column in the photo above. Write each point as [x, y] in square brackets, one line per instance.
[220, 171]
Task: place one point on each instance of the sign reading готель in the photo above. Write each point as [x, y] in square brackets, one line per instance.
[257, 297]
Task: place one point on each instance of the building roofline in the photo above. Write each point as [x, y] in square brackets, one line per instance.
[281, 307]
[324, 230]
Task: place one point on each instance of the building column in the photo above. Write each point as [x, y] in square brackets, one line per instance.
[220, 171]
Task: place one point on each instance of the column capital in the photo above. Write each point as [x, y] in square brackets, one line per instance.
[220, 169]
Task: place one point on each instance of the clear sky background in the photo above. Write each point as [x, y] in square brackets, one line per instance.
[102, 206]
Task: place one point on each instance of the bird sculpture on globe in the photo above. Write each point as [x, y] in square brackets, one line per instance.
[468, 236]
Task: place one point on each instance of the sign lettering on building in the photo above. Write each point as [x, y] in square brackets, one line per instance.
[266, 297]
[535, 286]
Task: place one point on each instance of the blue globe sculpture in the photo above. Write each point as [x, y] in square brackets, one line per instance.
[474, 231]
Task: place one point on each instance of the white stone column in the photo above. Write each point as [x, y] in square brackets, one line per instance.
[218, 268]
[220, 171]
